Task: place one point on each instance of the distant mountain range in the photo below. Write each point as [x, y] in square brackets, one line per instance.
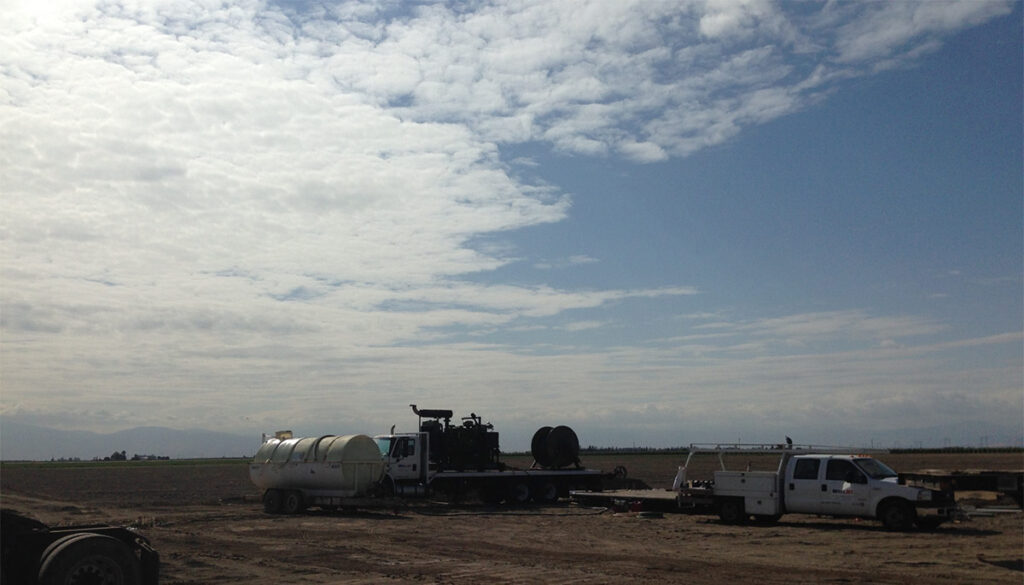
[21, 442]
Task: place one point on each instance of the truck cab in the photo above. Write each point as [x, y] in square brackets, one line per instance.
[859, 485]
[405, 456]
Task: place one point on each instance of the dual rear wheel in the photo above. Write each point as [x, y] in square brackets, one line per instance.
[89, 558]
[283, 502]
[519, 492]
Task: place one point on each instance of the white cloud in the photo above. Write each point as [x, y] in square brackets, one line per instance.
[257, 197]
[892, 28]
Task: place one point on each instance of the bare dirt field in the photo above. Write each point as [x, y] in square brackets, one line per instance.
[207, 524]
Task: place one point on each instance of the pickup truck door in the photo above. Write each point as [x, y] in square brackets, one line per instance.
[803, 486]
[846, 489]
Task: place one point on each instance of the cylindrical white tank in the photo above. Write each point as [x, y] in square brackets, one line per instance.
[348, 465]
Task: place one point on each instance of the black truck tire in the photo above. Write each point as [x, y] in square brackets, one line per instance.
[518, 493]
[546, 492]
[292, 502]
[89, 558]
[730, 511]
[896, 515]
[272, 500]
[490, 493]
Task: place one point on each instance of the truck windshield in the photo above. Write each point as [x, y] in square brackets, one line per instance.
[875, 468]
[384, 444]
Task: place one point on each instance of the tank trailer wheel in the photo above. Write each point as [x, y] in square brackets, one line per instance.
[272, 501]
[731, 511]
[896, 515]
[89, 559]
[292, 503]
[388, 488]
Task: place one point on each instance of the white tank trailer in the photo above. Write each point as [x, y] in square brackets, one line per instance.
[348, 466]
[457, 460]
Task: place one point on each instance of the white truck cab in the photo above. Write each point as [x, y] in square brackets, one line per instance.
[405, 455]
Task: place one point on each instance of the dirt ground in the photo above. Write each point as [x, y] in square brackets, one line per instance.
[207, 524]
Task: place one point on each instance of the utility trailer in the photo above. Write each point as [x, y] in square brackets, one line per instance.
[32, 553]
[453, 460]
[808, 479]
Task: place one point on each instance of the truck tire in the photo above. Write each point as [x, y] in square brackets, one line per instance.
[730, 511]
[896, 515]
[292, 502]
[89, 558]
[490, 494]
[546, 492]
[518, 493]
[272, 501]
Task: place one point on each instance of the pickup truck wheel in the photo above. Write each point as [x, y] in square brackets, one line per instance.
[272, 501]
[731, 512]
[89, 559]
[896, 516]
[292, 503]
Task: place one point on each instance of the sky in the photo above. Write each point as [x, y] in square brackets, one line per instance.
[656, 222]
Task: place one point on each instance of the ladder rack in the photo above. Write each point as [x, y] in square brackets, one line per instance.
[781, 449]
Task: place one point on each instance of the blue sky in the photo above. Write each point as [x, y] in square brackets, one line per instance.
[659, 223]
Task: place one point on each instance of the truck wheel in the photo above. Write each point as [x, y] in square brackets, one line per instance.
[292, 503]
[896, 515]
[518, 493]
[731, 512]
[89, 558]
[546, 493]
[490, 494]
[272, 501]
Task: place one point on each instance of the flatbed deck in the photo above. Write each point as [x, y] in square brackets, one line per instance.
[686, 500]
[1006, 482]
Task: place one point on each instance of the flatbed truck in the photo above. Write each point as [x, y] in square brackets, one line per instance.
[824, 481]
[442, 459]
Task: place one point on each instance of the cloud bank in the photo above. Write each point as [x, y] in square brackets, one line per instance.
[206, 204]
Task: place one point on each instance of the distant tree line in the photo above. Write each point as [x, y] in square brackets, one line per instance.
[960, 450]
[123, 456]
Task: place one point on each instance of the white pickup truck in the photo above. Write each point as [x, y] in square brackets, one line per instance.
[826, 484]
